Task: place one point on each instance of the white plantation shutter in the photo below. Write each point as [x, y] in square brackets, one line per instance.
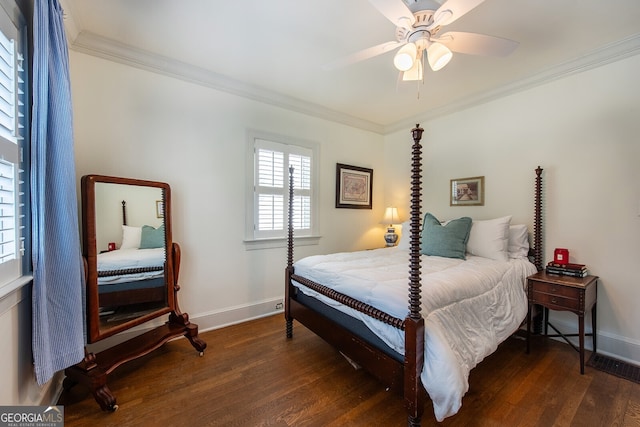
[11, 110]
[270, 190]
[8, 247]
[301, 191]
[7, 88]
[271, 162]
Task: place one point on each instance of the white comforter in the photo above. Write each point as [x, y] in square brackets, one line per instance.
[469, 308]
[124, 259]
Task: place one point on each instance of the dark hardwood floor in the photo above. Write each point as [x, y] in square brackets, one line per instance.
[251, 375]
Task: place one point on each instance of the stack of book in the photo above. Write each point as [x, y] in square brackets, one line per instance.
[573, 270]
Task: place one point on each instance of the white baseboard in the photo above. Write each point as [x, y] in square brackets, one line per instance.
[53, 390]
[238, 314]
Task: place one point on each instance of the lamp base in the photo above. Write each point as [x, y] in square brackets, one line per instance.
[391, 237]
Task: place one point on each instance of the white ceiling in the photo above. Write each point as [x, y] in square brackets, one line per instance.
[274, 50]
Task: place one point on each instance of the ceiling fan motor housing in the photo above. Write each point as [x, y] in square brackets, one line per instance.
[422, 30]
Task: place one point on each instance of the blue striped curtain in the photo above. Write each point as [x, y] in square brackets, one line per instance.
[58, 271]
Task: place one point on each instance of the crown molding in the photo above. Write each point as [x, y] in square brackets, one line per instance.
[112, 50]
[610, 53]
[91, 44]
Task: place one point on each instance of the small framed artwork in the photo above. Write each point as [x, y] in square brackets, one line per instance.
[159, 209]
[354, 187]
[467, 191]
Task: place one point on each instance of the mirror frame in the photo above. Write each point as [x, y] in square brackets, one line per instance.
[90, 253]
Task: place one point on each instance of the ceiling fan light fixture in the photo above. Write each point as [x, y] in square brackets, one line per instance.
[406, 57]
[438, 55]
[415, 73]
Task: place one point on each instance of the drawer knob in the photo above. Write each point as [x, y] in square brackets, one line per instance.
[553, 300]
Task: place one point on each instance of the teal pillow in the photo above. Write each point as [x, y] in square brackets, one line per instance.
[152, 237]
[448, 240]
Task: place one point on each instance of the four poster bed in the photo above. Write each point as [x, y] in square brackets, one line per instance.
[460, 307]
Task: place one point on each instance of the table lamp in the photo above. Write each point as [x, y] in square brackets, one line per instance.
[391, 217]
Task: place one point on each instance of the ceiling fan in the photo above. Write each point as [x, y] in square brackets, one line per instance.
[418, 26]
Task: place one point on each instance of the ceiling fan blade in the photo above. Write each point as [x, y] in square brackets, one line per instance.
[477, 44]
[395, 11]
[362, 55]
[452, 10]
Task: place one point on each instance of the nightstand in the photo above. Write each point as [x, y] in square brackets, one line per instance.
[575, 294]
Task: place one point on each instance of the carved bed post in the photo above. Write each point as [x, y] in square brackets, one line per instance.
[414, 394]
[537, 226]
[289, 268]
[124, 212]
[538, 250]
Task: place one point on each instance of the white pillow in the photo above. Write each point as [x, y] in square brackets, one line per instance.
[518, 241]
[405, 238]
[131, 237]
[490, 238]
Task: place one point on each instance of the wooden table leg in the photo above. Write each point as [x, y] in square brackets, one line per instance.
[581, 338]
[546, 320]
[594, 318]
[528, 328]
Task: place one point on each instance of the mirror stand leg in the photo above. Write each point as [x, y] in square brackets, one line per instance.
[105, 398]
[90, 375]
[192, 335]
[190, 330]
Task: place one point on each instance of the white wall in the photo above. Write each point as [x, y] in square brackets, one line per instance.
[141, 209]
[583, 130]
[133, 123]
[19, 386]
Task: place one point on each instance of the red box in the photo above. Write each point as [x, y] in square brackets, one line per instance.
[111, 246]
[561, 256]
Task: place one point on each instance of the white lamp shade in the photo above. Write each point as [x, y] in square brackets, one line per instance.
[438, 55]
[415, 73]
[391, 216]
[406, 57]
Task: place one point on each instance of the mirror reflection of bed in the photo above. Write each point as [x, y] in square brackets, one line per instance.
[131, 259]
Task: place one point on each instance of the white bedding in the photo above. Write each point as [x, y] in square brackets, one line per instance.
[124, 259]
[469, 307]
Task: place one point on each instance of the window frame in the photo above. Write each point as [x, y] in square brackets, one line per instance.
[252, 239]
[14, 14]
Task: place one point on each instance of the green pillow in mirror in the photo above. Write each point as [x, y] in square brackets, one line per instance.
[151, 238]
[448, 240]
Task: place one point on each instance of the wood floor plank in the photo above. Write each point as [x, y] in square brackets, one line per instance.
[632, 412]
[251, 375]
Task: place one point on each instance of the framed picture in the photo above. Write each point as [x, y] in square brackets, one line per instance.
[467, 191]
[159, 209]
[354, 187]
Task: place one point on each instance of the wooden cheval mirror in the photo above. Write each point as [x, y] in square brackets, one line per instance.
[132, 266]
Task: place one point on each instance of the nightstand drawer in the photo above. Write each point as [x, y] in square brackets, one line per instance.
[552, 288]
[555, 300]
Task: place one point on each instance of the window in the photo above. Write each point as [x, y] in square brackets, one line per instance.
[14, 218]
[271, 159]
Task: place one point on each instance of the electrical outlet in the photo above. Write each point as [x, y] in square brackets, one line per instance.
[279, 306]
